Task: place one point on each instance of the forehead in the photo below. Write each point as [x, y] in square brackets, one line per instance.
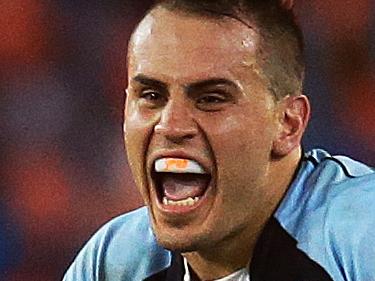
[191, 46]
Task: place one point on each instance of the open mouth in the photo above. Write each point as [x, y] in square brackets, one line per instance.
[180, 182]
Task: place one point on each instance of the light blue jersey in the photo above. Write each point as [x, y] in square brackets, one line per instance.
[323, 229]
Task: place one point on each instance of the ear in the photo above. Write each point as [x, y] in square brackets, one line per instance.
[294, 116]
[287, 4]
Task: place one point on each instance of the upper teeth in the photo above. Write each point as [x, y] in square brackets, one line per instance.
[178, 165]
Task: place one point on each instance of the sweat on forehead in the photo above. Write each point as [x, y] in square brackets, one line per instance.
[280, 52]
[168, 39]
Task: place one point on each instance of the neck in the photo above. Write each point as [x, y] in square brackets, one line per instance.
[216, 263]
[236, 252]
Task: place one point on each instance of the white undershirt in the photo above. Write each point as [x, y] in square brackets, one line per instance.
[240, 275]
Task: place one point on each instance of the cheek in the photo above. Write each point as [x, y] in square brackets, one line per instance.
[138, 125]
[137, 129]
[239, 133]
[242, 147]
[242, 151]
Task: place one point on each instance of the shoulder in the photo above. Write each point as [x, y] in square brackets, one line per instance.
[336, 168]
[123, 249]
[321, 182]
[330, 212]
[344, 189]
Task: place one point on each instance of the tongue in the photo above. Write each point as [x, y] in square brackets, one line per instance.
[182, 186]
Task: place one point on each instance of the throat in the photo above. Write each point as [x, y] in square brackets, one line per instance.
[209, 270]
[224, 257]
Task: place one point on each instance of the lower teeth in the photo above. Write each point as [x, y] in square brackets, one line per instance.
[185, 202]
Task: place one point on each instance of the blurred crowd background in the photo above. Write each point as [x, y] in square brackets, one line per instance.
[63, 169]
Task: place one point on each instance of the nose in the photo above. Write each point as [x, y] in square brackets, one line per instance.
[176, 123]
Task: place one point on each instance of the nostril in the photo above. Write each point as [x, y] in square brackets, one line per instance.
[175, 133]
[179, 138]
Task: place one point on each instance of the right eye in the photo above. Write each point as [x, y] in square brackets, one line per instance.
[150, 95]
[152, 98]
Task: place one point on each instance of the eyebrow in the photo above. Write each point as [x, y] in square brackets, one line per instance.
[151, 82]
[193, 87]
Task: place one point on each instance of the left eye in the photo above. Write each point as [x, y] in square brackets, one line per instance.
[211, 99]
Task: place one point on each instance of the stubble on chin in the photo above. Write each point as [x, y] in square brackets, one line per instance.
[181, 242]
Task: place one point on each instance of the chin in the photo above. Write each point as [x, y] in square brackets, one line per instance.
[181, 242]
[177, 245]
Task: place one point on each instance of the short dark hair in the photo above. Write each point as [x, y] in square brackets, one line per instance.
[280, 36]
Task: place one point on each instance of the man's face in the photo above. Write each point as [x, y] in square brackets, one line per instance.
[196, 92]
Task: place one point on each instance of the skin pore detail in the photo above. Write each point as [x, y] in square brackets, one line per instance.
[200, 97]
